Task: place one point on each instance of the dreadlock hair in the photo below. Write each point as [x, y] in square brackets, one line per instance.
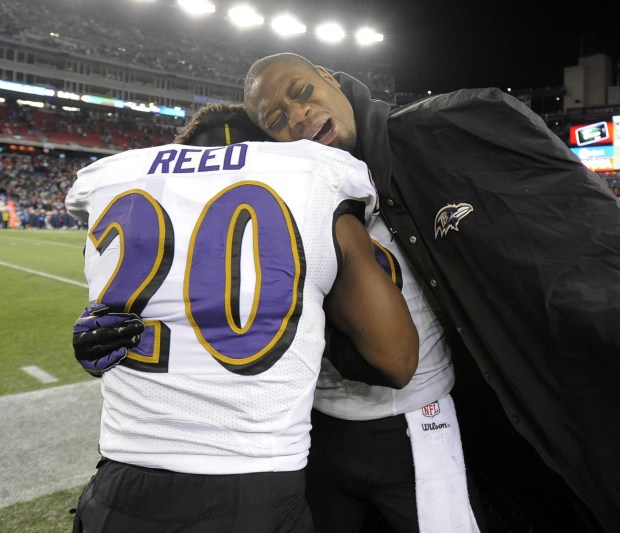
[220, 125]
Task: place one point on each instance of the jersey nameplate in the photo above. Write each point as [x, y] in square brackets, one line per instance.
[192, 160]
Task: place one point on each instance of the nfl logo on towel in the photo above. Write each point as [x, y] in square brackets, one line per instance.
[431, 409]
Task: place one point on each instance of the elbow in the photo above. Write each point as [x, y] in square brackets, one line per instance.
[409, 353]
[406, 370]
[398, 385]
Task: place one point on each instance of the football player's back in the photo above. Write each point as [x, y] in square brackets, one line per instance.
[226, 253]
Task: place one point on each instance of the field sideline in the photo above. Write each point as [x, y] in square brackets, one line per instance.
[50, 407]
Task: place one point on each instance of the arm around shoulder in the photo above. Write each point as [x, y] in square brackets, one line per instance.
[367, 307]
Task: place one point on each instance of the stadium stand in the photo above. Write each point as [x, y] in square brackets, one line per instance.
[33, 189]
[117, 52]
[42, 149]
[85, 129]
[210, 55]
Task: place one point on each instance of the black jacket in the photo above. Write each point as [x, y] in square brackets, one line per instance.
[521, 244]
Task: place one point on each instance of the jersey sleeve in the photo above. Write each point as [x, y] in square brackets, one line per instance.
[77, 199]
[357, 194]
[122, 168]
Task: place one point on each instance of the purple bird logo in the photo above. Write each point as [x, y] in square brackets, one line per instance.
[449, 217]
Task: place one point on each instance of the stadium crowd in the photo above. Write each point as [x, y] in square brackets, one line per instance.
[71, 31]
[116, 40]
[33, 189]
[87, 128]
[33, 185]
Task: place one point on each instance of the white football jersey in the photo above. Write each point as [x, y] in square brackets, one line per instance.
[227, 254]
[434, 377]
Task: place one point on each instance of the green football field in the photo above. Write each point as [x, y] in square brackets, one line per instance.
[42, 291]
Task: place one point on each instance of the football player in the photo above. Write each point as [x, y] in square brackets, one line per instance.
[232, 254]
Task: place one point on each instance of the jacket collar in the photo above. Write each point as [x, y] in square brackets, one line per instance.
[371, 117]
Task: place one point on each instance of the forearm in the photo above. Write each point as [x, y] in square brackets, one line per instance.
[366, 306]
[380, 329]
[341, 352]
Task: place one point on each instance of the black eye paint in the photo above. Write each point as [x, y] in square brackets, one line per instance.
[303, 97]
[305, 94]
[280, 123]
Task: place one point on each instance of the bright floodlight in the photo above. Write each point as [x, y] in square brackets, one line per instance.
[330, 32]
[197, 7]
[287, 25]
[366, 36]
[245, 16]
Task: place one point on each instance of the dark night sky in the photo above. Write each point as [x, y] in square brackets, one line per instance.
[444, 45]
[452, 45]
[437, 45]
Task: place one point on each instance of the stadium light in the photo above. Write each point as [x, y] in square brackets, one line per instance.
[30, 103]
[197, 7]
[67, 95]
[29, 89]
[330, 32]
[245, 16]
[367, 36]
[287, 25]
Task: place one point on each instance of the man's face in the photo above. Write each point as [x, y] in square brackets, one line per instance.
[292, 101]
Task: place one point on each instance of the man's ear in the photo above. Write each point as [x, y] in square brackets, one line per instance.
[327, 76]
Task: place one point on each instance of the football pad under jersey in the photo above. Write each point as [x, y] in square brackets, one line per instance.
[227, 254]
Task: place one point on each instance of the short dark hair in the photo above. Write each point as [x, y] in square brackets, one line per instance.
[261, 64]
[219, 125]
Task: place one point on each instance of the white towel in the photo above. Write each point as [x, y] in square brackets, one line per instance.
[441, 485]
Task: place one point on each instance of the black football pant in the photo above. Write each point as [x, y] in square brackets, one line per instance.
[351, 480]
[123, 498]
[360, 477]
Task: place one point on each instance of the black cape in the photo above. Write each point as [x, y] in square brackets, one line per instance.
[521, 244]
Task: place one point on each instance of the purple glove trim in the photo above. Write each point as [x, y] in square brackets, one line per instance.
[101, 338]
[99, 366]
[88, 322]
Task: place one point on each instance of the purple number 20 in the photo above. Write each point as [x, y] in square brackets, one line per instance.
[212, 274]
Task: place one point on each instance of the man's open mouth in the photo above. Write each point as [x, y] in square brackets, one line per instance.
[323, 132]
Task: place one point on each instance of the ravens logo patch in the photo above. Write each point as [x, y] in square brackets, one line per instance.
[449, 218]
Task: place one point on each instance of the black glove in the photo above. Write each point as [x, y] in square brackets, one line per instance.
[101, 338]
